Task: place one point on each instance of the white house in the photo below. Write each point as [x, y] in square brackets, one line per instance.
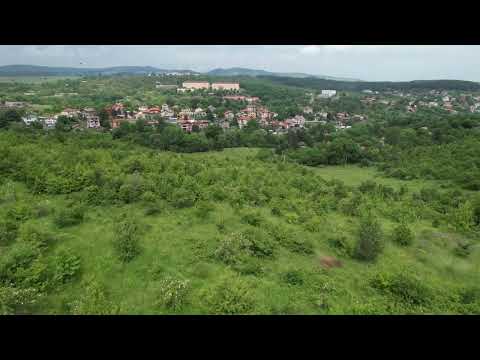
[93, 122]
[328, 93]
[50, 122]
[29, 119]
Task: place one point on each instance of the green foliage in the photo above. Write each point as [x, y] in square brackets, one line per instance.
[370, 239]
[173, 293]
[403, 235]
[252, 217]
[290, 240]
[126, 238]
[463, 217]
[183, 198]
[14, 300]
[403, 287]
[69, 216]
[94, 301]
[67, 266]
[293, 277]
[132, 189]
[341, 245]
[463, 249]
[35, 235]
[280, 212]
[232, 295]
[8, 231]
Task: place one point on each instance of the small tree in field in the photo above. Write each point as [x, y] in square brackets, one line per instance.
[403, 235]
[126, 239]
[370, 239]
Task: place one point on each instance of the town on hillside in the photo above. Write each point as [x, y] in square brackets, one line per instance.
[338, 108]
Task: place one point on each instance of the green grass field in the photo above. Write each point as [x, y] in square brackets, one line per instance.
[181, 243]
[354, 175]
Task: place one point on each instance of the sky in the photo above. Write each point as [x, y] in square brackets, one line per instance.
[365, 62]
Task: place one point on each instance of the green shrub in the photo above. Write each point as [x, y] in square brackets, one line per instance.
[249, 266]
[69, 216]
[259, 243]
[14, 300]
[300, 246]
[8, 231]
[367, 187]
[41, 210]
[149, 197]
[292, 277]
[292, 218]
[403, 287]
[292, 241]
[350, 206]
[232, 295]
[93, 301]
[67, 266]
[203, 210]
[370, 239]
[340, 244]
[35, 235]
[155, 208]
[126, 242]
[253, 218]
[20, 255]
[182, 198]
[276, 211]
[19, 213]
[403, 235]
[173, 293]
[230, 249]
[221, 226]
[314, 224]
[463, 249]
[132, 190]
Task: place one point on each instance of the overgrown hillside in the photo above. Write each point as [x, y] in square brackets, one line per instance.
[89, 225]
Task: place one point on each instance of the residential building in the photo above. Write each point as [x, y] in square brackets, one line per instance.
[165, 86]
[229, 115]
[196, 85]
[226, 86]
[224, 124]
[93, 122]
[187, 125]
[235, 97]
[15, 104]
[296, 122]
[30, 119]
[328, 93]
[199, 113]
[70, 112]
[49, 122]
[252, 99]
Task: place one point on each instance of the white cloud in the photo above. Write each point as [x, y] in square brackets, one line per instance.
[367, 62]
[310, 49]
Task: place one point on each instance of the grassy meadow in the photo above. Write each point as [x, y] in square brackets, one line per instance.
[219, 233]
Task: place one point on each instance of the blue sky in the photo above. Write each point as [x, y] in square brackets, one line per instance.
[366, 62]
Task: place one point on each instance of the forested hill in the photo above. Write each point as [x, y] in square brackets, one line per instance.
[34, 70]
[315, 83]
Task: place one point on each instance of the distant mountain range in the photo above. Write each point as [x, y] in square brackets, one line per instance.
[253, 72]
[292, 79]
[34, 70]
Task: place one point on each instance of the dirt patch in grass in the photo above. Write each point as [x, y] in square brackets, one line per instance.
[328, 262]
